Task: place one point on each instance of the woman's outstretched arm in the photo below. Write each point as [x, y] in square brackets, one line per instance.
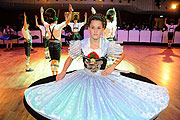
[85, 20]
[111, 68]
[36, 20]
[42, 16]
[25, 21]
[165, 21]
[61, 75]
[178, 22]
[67, 19]
[70, 14]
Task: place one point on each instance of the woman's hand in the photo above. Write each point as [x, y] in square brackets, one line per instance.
[24, 15]
[93, 10]
[36, 17]
[60, 76]
[41, 10]
[108, 70]
[85, 14]
[70, 8]
[65, 14]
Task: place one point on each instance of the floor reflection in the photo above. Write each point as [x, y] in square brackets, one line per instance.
[167, 55]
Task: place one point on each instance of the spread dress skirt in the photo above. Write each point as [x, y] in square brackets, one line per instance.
[87, 95]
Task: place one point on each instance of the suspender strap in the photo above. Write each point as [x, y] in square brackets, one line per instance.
[52, 36]
[45, 31]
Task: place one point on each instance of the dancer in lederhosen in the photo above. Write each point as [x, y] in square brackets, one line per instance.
[171, 31]
[76, 26]
[45, 37]
[27, 42]
[54, 33]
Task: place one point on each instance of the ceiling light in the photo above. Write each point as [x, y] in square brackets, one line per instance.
[173, 6]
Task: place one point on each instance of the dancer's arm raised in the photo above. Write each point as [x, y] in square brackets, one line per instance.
[42, 16]
[36, 21]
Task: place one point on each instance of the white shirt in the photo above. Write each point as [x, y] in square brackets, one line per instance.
[56, 31]
[76, 27]
[110, 29]
[43, 30]
[171, 28]
[26, 34]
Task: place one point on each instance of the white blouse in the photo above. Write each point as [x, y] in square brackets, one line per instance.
[106, 48]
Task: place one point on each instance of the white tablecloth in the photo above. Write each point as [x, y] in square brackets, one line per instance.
[122, 35]
[165, 37]
[156, 36]
[145, 36]
[134, 36]
[177, 37]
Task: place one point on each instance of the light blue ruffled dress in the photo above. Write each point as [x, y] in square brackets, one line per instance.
[83, 95]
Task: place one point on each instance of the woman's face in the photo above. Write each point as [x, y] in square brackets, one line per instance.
[7, 26]
[95, 29]
[75, 21]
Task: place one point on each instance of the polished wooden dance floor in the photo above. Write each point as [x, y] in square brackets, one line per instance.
[157, 63]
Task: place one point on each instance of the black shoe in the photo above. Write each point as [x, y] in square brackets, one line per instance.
[47, 57]
[6, 50]
[32, 49]
[11, 48]
[30, 70]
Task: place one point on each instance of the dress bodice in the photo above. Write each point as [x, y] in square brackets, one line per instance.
[106, 50]
[94, 64]
[101, 51]
[98, 64]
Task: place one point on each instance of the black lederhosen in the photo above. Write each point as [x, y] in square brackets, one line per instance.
[27, 46]
[55, 50]
[76, 36]
[170, 35]
[54, 47]
[111, 39]
[46, 42]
